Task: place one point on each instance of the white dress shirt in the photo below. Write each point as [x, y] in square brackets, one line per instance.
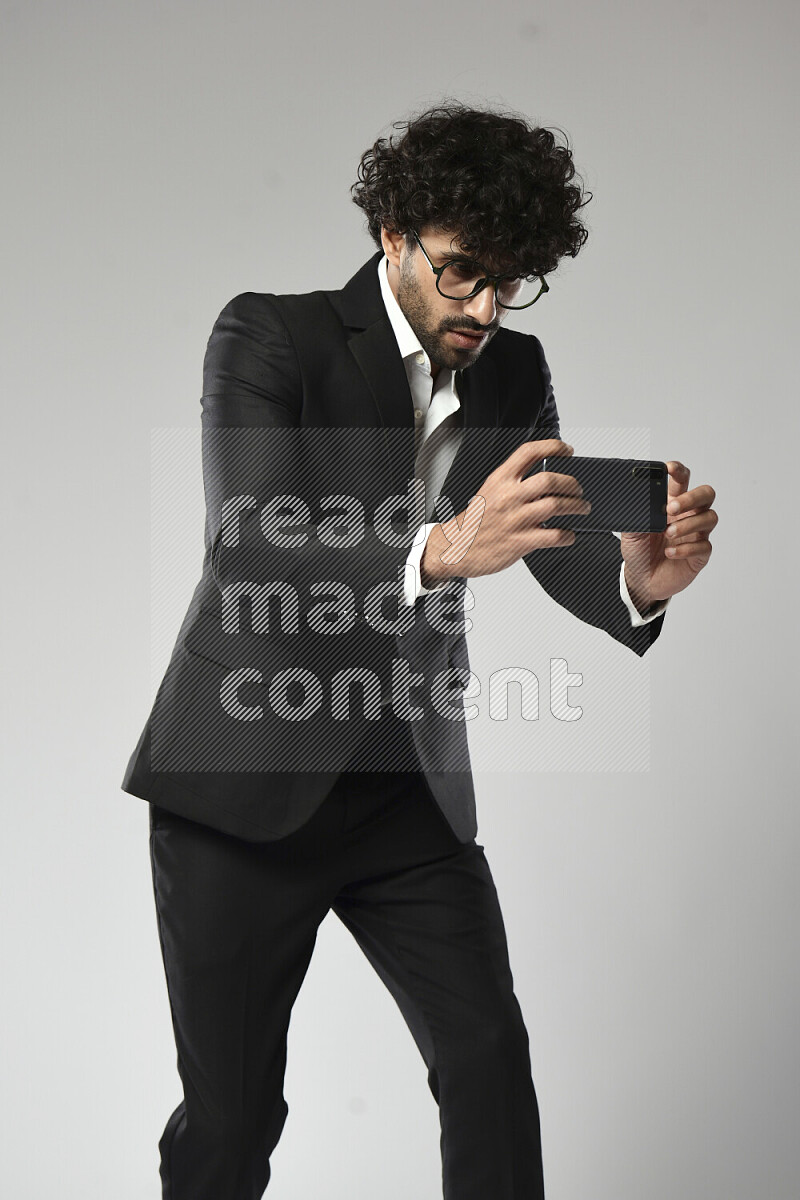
[438, 432]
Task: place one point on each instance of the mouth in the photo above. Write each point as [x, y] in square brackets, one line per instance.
[467, 341]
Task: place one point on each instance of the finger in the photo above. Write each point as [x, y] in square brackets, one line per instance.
[677, 478]
[701, 551]
[529, 453]
[691, 539]
[698, 498]
[556, 506]
[549, 483]
[702, 522]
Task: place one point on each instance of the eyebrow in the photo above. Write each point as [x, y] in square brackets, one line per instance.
[456, 256]
[462, 257]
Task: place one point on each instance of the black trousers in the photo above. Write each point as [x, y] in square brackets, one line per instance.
[237, 924]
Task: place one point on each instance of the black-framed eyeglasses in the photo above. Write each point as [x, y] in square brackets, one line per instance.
[461, 279]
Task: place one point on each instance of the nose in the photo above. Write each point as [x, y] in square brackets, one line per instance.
[483, 307]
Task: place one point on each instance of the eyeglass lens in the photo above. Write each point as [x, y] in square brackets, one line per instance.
[458, 280]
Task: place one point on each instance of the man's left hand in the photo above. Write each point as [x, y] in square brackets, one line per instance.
[657, 565]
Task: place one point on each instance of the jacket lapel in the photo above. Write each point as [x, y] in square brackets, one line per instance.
[375, 349]
[478, 393]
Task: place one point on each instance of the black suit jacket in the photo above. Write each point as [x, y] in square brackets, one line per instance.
[307, 416]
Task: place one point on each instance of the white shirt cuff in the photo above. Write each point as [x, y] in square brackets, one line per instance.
[412, 585]
[636, 617]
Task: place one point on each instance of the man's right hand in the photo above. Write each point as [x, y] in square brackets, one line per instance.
[502, 521]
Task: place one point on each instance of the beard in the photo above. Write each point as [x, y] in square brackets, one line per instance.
[431, 331]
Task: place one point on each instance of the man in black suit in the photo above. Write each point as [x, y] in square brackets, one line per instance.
[306, 751]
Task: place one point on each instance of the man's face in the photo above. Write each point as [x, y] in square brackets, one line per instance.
[443, 326]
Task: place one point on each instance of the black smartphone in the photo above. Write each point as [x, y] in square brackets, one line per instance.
[627, 495]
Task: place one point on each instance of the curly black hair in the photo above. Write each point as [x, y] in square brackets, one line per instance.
[502, 185]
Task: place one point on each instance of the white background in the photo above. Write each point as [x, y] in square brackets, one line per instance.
[158, 160]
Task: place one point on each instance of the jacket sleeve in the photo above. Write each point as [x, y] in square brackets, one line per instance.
[584, 577]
